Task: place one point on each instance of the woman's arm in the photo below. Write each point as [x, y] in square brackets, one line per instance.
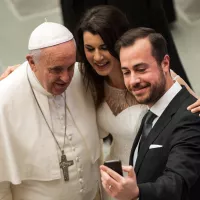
[182, 82]
[195, 107]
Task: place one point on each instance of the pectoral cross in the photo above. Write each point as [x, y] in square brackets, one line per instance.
[64, 165]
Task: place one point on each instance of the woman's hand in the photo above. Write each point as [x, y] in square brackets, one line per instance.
[8, 71]
[195, 107]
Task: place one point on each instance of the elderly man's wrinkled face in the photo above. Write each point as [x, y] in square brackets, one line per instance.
[55, 67]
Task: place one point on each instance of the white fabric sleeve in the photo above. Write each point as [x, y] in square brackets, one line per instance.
[5, 191]
[102, 133]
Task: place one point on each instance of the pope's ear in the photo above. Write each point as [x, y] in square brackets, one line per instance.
[31, 62]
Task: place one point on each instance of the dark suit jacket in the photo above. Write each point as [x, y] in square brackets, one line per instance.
[146, 13]
[172, 171]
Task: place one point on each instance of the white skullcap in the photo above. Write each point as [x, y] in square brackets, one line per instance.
[49, 34]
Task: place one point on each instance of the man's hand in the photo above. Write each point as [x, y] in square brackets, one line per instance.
[121, 188]
[8, 71]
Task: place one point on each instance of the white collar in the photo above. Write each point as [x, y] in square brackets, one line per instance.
[159, 107]
[36, 84]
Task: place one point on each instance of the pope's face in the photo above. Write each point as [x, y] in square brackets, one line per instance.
[55, 67]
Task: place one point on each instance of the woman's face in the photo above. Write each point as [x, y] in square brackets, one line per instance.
[98, 55]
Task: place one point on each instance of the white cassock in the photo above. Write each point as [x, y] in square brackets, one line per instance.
[29, 156]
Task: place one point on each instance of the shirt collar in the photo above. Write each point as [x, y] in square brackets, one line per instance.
[159, 107]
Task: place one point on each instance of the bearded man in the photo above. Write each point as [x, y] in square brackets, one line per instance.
[166, 151]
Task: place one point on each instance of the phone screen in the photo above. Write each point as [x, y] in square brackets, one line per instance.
[114, 165]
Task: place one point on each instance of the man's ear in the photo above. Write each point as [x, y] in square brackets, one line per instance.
[166, 64]
[31, 62]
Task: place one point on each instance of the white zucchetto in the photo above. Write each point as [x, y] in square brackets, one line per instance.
[49, 34]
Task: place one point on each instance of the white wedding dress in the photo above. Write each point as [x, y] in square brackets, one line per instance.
[120, 116]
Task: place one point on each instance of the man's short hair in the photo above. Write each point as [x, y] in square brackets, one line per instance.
[158, 42]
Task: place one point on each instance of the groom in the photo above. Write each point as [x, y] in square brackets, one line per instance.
[166, 151]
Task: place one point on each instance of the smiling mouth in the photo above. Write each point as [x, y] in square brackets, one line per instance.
[102, 65]
[139, 90]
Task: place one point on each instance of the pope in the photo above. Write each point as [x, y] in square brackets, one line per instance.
[48, 149]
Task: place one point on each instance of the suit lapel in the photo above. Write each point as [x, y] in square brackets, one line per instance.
[154, 133]
[162, 122]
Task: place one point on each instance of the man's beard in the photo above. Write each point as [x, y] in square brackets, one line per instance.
[156, 91]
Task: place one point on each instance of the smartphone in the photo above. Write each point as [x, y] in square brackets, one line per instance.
[115, 165]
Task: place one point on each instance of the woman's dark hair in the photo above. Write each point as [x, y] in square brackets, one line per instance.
[110, 24]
